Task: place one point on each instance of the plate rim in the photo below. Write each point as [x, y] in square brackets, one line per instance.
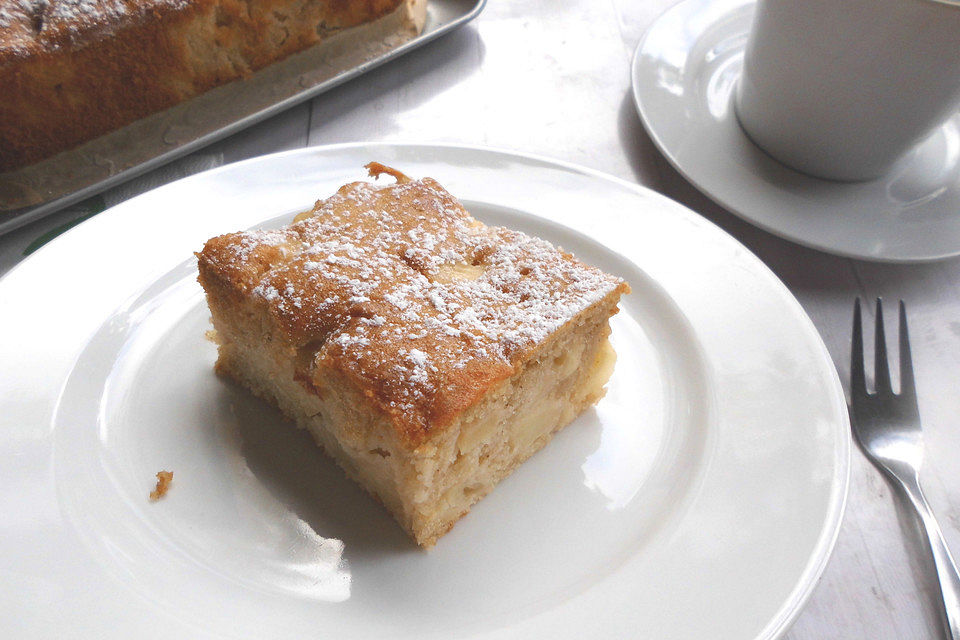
[828, 534]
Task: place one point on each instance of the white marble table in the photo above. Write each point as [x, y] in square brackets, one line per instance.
[553, 79]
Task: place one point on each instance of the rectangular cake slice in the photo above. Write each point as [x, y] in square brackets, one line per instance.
[427, 353]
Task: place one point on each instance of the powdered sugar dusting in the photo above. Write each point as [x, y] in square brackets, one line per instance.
[12, 12]
[52, 24]
[84, 11]
[409, 295]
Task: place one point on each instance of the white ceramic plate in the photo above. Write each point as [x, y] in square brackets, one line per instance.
[701, 498]
[684, 73]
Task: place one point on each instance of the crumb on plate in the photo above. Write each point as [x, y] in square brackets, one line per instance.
[164, 478]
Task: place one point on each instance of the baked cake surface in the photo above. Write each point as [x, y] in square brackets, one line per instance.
[75, 69]
[427, 352]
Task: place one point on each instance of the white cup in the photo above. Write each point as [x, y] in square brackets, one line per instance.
[841, 89]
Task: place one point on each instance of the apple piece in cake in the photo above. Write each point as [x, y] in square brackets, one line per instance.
[427, 353]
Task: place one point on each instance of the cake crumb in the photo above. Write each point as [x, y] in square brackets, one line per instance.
[164, 478]
[375, 169]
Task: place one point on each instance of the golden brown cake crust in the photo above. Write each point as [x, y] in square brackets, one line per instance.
[400, 291]
[72, 70]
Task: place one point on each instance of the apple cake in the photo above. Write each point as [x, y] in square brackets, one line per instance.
[427, 353]
[72, 70]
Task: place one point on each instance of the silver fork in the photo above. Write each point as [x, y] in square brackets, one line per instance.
[887, 426]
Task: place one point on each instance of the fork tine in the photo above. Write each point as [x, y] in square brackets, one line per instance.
[881, 368]
[907, 385]
[858, 382]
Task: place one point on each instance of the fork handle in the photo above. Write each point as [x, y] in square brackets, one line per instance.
[946, 568]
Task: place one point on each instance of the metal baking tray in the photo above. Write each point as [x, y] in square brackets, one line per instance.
[41, 189]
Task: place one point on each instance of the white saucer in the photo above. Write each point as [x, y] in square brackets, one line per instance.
[699, 499]
[684, 73]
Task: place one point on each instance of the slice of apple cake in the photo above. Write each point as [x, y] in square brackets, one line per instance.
[427, 353]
